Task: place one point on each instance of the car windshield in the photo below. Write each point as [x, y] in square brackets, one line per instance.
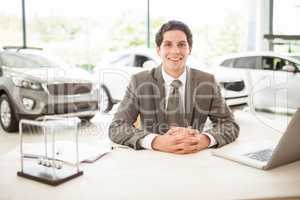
[15, 60]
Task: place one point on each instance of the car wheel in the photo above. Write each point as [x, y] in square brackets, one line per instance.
[8, 118]
[86, 118]
[105, 103]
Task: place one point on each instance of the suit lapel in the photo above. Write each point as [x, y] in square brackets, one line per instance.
[159, 93]
[189, 100]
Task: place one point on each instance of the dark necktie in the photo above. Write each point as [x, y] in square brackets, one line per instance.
[175, 113]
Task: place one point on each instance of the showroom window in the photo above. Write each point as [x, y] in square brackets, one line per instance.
[84, 34]
[285, 15]
[11, 23]
[218, 26]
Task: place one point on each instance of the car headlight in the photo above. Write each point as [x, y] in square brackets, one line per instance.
[28, 84]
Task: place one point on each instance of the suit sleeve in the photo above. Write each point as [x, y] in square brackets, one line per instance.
[224, 128]
[122, 130]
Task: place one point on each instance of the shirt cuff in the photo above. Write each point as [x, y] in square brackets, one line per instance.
[146, 142]
[213, 141]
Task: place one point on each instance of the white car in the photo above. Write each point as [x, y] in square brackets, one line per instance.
[113, 76]
[272, 79]
[114, 72]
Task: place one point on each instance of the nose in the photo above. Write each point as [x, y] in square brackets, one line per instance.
[175, 49]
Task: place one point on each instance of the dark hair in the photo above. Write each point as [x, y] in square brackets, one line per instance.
[173, 25]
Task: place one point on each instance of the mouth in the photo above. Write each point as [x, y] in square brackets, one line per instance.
[175, 59]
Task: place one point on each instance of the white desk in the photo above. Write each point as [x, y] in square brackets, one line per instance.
[127, 174]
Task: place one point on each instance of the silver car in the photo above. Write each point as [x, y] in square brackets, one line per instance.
[32, 85]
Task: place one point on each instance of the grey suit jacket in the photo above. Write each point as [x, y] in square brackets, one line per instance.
[145, 96]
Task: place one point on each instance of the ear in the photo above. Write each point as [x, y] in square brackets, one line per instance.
[190, 51]
[158, 50]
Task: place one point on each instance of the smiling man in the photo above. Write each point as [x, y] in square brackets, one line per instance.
[173, 102]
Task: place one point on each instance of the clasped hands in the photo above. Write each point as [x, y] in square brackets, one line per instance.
[181, 140]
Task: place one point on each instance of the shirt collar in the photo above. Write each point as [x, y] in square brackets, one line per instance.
[168, 79]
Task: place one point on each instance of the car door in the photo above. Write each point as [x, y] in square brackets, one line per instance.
[245, 66]
[115, 74]
[273, 87]
[118, 76]
[293, 82]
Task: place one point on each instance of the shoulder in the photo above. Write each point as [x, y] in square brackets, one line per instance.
[147, 75]
[201, 75]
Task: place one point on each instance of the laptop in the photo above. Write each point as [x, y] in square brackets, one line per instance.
[266, 155]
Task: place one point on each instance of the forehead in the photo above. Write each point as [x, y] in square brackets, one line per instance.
[174, 35]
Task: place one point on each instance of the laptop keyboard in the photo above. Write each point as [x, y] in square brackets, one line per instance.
[262, 155]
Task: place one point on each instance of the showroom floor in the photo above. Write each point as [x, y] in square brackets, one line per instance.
[96, 131]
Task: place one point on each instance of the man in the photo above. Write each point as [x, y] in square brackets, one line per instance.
[173, 102]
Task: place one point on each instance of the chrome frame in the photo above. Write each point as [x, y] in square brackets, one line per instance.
[44, 123]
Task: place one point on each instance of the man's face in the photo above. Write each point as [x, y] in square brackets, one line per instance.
[174, 51]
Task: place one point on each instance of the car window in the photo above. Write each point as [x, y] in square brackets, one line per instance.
[287, 62]
[278, 63]
[282, 62]
[227, 63]
[139, 60]
[245, 62]
[275, 63]
[26, 61]
[269, 63]
[297, 66]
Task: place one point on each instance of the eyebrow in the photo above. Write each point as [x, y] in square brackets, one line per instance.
[181, 41]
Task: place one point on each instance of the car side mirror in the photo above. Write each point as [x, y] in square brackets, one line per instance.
[149, 64]
[289, 68]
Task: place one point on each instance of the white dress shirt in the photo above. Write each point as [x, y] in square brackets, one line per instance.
[146, 142]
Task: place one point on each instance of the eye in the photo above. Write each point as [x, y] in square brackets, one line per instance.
[167, 44]
[182, 45]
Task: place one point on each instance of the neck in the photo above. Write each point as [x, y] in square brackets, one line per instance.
[175, 73]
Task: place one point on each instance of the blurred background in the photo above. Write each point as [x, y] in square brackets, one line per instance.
[82, 32]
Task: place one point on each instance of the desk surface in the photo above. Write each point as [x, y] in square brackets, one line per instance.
[129, 174]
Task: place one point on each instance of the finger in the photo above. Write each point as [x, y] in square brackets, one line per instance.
[180, 152]
[195, 151]
[185, 151]
[181, 132]
[179, 138]
[170, 132]
[187, 131]
[189, 140]
[193, 131]
[184, 137]
[175, 148]
[173, 130]
[186, 146]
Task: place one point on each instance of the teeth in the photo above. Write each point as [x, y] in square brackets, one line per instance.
[174, 59]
